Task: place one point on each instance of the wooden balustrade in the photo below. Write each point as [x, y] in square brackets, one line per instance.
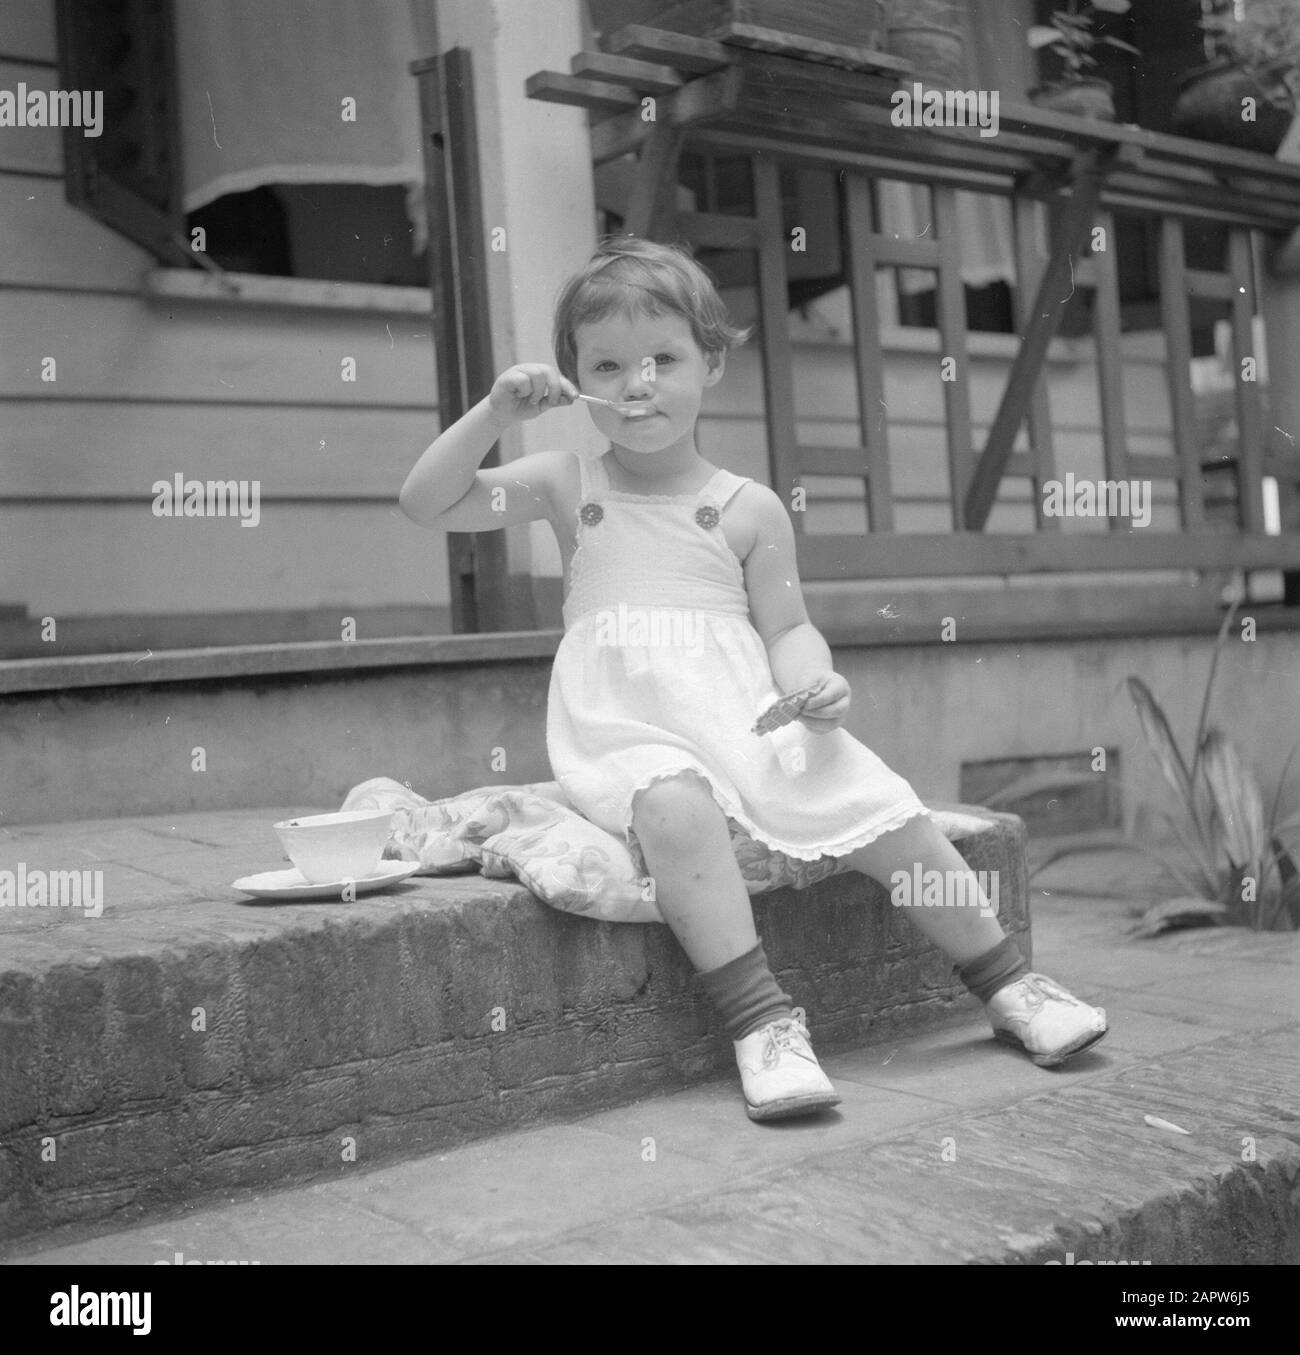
[777, 101]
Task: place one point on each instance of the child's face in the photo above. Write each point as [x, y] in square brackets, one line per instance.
[650, 360]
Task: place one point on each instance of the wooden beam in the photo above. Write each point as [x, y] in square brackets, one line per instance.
[646, 77]
[481, 596]
[774, 326]
[554, 87]
[679, 50]
[906, 253]
[897, 555]
[1250, 417]
[1044, 321]
[1223, 160]
[652, 203]
[709, 97]
[775, 74]
[1107, 331]
[820, 146]
[950, 307]
[873, 417]
[1176, 321]
[1029, 271]
[763, 39]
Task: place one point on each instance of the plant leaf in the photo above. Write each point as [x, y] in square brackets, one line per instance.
[1180, 912]
[1195, 888]
[1041, 36]
[1110, 840]
[1112, 6]
[1195, 849]
[1160, 740]
[1291, 821]
[1281, 784]
[1237, 798]
[1219, 640]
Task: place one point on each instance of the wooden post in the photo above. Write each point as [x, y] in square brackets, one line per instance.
[950, 307]
[1089, 169]
[872, 415]
[1176, 317]
[462, 335]
[774, 324]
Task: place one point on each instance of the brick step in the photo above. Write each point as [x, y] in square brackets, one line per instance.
[186, 1042]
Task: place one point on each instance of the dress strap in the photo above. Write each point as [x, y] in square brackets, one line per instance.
[722, 488]
[592, 477]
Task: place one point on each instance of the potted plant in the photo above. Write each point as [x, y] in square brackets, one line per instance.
[1238, 865]
[1072, 36]
[1247, 94]
[928, 34]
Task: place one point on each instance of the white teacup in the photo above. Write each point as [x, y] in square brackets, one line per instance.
[328, 848]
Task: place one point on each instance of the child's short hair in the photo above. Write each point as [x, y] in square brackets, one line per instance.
[634, 276]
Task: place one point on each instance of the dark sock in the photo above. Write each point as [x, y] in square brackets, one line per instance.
[746, 994]
[993, 970]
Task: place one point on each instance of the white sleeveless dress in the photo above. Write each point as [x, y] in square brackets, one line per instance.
[661, 671]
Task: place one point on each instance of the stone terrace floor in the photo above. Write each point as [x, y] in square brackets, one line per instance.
[948, 1147]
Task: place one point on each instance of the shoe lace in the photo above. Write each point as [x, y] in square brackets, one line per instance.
[1044, 988]
[1038, 989]
[787, 1034]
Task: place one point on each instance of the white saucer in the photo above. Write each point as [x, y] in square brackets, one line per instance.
[292, 884]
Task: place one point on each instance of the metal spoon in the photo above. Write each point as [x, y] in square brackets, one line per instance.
[626, 409]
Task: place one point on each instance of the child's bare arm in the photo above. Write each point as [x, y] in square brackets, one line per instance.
[796, 650]
[447, 492]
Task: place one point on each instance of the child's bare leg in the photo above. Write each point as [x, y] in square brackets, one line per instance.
[962, 933]
[701, 893]
[1028, 1010]
[698, 884]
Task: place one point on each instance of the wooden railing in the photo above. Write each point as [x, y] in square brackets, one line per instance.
[776, 100]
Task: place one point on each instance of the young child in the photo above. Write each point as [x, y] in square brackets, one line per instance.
[684, 620]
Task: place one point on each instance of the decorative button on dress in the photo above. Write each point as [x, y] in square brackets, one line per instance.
[661, 671]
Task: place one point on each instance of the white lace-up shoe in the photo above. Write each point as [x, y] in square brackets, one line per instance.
[780, 1072]
[1040, 1017]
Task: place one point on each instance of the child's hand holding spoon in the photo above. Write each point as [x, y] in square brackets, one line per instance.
[531, 388]
[528, 389]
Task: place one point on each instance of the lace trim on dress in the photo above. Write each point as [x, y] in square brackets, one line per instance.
[733, 811]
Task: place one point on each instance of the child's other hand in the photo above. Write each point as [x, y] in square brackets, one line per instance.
[827, 706]
[528, 389]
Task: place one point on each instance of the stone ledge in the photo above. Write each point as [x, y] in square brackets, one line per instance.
[372, 1020]
[854, 624]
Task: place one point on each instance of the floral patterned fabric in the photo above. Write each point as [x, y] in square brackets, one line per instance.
[532, 833]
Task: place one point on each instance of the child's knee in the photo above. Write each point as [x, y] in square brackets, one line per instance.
[672, 806]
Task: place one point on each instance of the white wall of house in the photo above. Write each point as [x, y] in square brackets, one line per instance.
[147, 389]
